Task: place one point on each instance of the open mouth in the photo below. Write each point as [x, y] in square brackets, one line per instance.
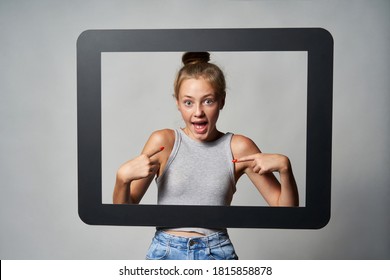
[200, 127]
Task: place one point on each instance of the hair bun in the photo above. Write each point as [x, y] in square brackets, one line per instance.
[195, 57]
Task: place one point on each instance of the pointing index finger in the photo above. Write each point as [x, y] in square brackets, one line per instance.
[243, 159]
[156, 151]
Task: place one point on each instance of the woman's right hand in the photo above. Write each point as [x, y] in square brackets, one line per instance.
[134, 176]
[140, 167]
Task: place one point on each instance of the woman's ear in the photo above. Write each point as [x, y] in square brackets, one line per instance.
[222, 103]
[177, 104]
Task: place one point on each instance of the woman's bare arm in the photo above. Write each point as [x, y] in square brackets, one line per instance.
[260, 167]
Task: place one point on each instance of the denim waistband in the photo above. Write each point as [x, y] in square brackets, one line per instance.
[196, 242]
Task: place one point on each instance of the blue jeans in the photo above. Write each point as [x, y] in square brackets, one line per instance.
[216, 246]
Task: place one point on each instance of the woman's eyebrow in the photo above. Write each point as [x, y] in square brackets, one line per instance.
[205, 96]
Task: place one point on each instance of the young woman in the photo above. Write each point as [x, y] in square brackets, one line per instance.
[200, 165]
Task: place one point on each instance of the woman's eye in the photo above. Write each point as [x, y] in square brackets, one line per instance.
[208, 101]
[187, 103]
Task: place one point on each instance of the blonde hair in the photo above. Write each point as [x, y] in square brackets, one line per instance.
[196, 65]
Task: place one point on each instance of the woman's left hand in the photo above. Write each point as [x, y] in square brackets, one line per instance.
[266, 163]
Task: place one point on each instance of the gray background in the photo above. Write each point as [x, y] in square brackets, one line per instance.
[38, 157]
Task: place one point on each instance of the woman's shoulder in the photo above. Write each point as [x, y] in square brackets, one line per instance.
[242, 145]
[162, 138]
[163, 133]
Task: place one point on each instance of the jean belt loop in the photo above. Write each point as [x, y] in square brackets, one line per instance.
[208, 249]
[219, 239]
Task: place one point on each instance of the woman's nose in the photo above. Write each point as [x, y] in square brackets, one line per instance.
[199, 111]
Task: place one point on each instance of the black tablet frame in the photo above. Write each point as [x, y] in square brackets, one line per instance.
[317, 42]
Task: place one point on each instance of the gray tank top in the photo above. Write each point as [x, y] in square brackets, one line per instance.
[198, 173]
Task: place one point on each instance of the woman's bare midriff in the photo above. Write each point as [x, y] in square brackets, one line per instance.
[184, 233]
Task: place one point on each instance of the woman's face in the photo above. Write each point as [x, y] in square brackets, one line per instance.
[199, 106]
